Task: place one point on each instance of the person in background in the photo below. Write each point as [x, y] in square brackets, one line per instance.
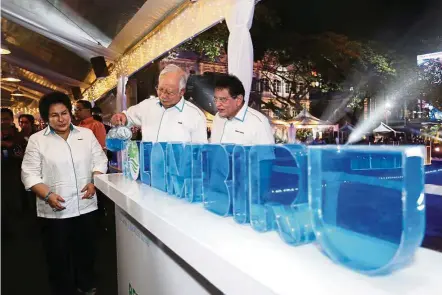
[7, 116]
[12, 190]
[83, 113]
[168, 117]
[235, 122]
[27, 125]
[97, 113]
[59, 165]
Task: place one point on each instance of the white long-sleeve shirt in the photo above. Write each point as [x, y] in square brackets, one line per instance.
[183, 122]
[65, 166]
[248, 127]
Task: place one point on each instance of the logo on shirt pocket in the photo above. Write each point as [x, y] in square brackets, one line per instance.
[239, 131]
[180, 122]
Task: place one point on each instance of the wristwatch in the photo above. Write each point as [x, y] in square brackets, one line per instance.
[47, 197]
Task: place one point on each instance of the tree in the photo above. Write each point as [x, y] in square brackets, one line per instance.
[430, 82]
[321, 64]
[324, 65]
[211, 44]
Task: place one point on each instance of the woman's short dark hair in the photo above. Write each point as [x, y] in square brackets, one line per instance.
[30, 118]
[231, 83]
[50, 99]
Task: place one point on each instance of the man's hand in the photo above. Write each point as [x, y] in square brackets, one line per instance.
[119, 119]
[90, 191]
[54, 201]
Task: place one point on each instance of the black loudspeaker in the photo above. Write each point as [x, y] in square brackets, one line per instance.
[76, 92]
[199, 90]
[100, 67]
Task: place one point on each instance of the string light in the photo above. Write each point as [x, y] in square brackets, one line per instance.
[17, 110]
[186, 24]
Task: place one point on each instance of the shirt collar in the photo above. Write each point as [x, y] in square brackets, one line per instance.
[179, 106]
[49, 130]
[241, 115]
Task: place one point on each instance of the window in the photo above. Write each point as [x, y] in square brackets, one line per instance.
[277, 85]
[255, 85]
[288, 86]
[265, 85]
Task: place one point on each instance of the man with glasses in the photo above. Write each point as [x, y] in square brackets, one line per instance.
[83, 113]
[169, 117]
[235, 122]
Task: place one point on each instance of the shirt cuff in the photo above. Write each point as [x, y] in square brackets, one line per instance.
[128, 120]
[31, 181]
[102, 169]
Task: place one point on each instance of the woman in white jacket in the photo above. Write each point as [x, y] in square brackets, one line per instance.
[59, 165]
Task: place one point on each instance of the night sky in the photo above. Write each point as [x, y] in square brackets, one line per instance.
[398, 24]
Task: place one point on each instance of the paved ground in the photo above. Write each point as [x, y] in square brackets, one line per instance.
[23, 270]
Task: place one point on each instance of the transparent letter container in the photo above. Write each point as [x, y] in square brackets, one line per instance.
[241, 183]
[158, 167]
[368, 204]
[278, 192]
[145, 152]
[217, 178]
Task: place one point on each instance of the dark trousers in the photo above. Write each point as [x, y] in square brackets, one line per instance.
[70, 246]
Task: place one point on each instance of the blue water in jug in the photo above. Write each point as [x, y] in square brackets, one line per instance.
[117, 138]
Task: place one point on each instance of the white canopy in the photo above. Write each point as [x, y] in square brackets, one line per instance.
[305, 118]
[383, 128]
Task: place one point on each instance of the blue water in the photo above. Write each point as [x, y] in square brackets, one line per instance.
[115, 145]
[368, 210]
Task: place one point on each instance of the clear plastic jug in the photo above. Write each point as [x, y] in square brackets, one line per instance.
[117, 138]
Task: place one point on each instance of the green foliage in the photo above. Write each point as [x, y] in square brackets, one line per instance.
[303, 134]
[326, 63]
[211, 44]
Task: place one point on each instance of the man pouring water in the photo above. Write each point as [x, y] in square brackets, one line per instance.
[168, 117]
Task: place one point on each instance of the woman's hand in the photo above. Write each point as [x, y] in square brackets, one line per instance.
[54, 201]
[90, 191]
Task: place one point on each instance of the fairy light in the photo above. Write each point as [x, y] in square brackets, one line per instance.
[186, 24]
[40, 80]
[17, 110]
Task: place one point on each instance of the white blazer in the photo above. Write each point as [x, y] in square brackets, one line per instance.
[65, 167]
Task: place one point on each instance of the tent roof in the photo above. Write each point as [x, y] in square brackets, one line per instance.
[383, 128]
[347, 127]
[305, 118]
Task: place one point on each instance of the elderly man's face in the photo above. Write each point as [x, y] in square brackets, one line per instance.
[168, 89]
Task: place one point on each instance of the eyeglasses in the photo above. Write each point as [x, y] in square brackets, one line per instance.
[167, 92]
[222, 99]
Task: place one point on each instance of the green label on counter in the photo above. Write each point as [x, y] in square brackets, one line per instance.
[132, 290]
[133, 157]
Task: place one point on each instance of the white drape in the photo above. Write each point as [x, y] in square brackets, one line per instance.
[240, 50]
[121, 94]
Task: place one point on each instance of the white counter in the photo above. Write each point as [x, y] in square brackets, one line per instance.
[238, 260]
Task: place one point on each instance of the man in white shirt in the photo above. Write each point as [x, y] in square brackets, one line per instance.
[169, 117]
[235, 122]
